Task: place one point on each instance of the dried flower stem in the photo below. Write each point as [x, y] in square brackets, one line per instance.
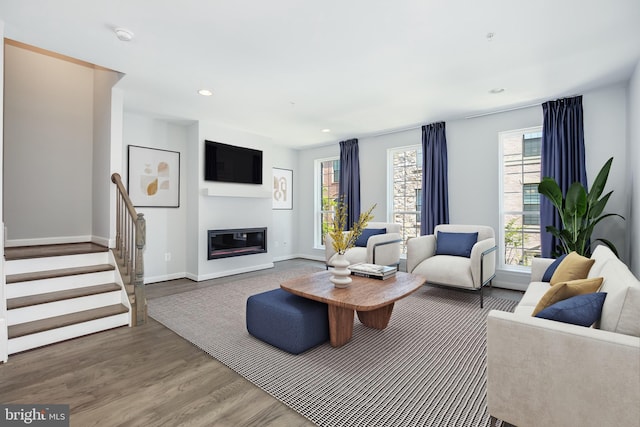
[345, 240]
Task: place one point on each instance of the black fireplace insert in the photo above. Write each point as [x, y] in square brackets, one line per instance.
[236, 242]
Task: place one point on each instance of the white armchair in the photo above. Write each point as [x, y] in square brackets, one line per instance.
[383, 249]
[462, 264]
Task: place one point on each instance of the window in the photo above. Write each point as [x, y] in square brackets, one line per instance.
[531, 144]
[531, 204]
[520, 200]
[405, 189]
[327, 193]
[336, 171]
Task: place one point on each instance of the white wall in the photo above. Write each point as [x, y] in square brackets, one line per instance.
[3, 302]
[48, 172]
[204, 206]
[633, 162]
[193, 163]
[605, 135]
[101, 191]
[115, 155]
[166, 227]
[228, 206]
[282, 237]
[473, 153]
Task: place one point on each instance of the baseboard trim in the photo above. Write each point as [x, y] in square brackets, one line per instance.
[225, 273]
[164, 278]
[47, 241]
[311, 257]
[285, 258]
[103, 241]
[217, 274]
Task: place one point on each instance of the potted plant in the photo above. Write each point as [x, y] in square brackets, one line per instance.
[343, 240]
[579, 211]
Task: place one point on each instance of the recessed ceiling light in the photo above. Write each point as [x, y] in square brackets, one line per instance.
[326, 130]
[497, 90]
[490, 36]
[123, 34]
[205, 92]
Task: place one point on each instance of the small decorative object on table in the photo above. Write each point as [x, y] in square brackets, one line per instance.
[343, 240]
[373, 271]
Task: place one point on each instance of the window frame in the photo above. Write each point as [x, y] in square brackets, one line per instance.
[501, 208]
[317, 197]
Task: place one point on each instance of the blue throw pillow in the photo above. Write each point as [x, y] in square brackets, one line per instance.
[366, 233]
[583, 310]
[458, 244]
[552, 268]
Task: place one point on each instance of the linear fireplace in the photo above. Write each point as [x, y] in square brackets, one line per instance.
[236, 242]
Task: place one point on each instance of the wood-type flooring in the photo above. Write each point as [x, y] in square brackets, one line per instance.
[144, 376]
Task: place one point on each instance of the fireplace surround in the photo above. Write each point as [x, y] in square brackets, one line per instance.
[236, 242]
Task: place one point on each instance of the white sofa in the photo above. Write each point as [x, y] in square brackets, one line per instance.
[546, 373]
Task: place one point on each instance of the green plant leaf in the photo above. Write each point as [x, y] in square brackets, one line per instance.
[597, 220]
[601, 180]
[549, 188]
[576, 200]
[553, 231]
[595, 209]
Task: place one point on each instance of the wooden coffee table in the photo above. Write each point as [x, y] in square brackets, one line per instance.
[372, 299]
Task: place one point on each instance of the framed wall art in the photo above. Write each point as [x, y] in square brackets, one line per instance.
[154, 177]
[282, 188]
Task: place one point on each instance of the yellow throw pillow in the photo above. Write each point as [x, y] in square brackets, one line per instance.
[572, 267]
[564, 290]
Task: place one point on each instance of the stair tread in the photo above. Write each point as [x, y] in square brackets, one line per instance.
[19, 302]
[50, 274]
[40, 251]
[36, 326]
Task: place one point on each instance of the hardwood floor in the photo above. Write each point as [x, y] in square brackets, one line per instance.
[143, 376]
[146, 376]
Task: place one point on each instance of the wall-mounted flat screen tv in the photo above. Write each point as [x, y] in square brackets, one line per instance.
[229, 163]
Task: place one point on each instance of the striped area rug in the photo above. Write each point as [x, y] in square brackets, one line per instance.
[427, 368]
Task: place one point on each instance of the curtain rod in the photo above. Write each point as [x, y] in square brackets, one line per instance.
[489, 113]
[419, 126]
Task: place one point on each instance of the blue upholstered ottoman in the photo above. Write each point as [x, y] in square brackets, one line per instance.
[289, 322]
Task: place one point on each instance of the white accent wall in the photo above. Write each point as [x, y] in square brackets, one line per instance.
[605, 135]
[165, 250]
[102, 197]
[177, 237]
[228, 206]
[473, 154]
[633, 164]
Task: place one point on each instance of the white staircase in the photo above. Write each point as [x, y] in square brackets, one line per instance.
[57, 298]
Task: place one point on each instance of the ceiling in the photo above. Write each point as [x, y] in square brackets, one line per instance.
[287, 69]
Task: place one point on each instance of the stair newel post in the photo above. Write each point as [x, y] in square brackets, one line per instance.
[141, 299]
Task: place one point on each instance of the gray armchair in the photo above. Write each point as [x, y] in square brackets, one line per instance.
[455, 263]
[382, 249]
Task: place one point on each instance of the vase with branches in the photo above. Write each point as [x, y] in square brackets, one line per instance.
[342, 240]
